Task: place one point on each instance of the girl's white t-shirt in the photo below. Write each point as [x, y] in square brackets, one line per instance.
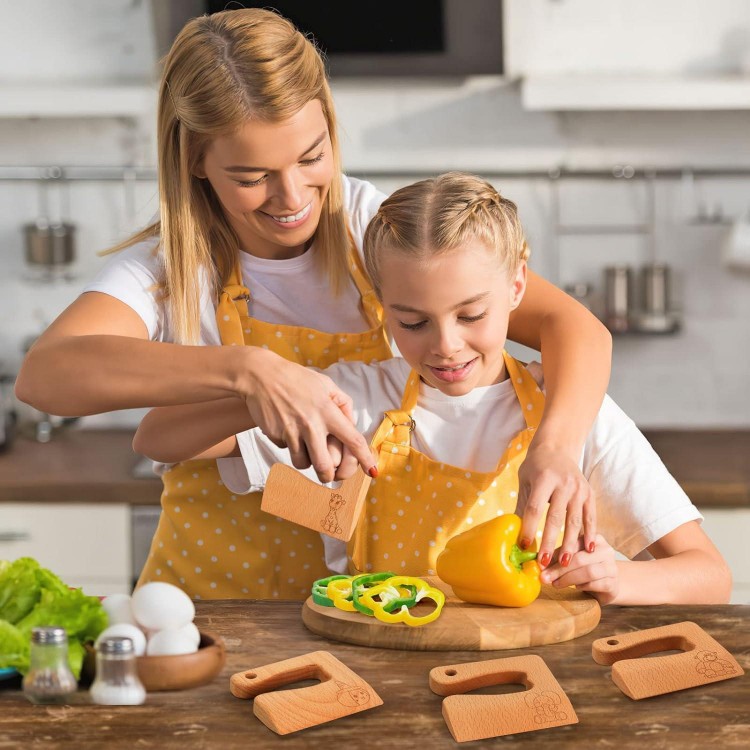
[288, 292]
[637, 499]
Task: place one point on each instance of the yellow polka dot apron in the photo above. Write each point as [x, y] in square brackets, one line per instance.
[417, 504]
[215, 544]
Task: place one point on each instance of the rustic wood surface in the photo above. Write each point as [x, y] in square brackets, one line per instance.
[557, 615]
[76, 466]
[258, 633]
[94, 466]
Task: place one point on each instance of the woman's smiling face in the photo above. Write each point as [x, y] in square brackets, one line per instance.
[448, 314]
[272, 179]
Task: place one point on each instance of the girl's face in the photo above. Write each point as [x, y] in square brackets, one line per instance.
[272, 180]
[449, 314]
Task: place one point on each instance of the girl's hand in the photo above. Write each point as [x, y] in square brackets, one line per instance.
[299, 409]
[596, 572]
[549, 476]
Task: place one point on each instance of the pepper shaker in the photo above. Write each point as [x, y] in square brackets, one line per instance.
[49, 679]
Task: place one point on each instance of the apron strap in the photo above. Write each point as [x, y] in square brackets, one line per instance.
[232, 308]
[396, 427]
[528, 393]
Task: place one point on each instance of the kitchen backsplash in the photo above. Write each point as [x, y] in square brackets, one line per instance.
[393, 132]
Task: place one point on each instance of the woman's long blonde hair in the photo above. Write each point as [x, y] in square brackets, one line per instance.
[223, 70]
[434, 216]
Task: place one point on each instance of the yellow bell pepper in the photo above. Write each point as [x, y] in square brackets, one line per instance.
[485, 565]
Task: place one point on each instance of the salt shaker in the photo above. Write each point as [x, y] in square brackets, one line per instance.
[49, 679]
[116, 682]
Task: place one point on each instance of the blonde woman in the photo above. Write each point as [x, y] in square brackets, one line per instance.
[254, 269]
[453, 417]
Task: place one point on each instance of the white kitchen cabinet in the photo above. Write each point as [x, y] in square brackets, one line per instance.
[729, 529]
[86, 545]
[77, 100]
[628, 54]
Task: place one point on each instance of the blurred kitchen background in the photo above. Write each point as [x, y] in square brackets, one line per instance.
[620, 128]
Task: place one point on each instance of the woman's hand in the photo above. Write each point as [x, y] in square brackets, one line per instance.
[299, 409]
[549, 476]
[596, 572]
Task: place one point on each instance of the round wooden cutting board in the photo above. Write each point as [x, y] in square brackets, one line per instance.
[557, 615]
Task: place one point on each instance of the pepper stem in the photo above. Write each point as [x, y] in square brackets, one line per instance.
[518, 557]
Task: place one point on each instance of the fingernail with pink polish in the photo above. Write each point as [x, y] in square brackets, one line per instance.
[591, 547]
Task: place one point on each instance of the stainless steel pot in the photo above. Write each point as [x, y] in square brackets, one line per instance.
[8, 416]
[50, 245]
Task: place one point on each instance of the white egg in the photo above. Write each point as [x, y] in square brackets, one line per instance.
[127, 631]
[190, 631]
[118, 609]
[170, 643]
[162, 606]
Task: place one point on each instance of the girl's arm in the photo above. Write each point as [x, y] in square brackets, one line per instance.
[97, 357]
[687, 569]
[576, 352]
[178, 433]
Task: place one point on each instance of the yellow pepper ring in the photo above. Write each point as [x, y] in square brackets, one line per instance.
[404, 615]
[340, 592]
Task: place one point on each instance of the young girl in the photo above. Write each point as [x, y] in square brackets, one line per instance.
[253, 269]
[452, 420]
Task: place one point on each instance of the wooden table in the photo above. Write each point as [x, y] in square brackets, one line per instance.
[258, 633]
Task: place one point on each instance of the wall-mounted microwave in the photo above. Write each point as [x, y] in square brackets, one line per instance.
[377, 37]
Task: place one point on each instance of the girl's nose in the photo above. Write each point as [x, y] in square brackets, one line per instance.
[447, 342]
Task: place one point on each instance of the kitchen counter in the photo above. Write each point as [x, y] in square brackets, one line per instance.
[83, 466]
[712, 466]
[258, 633]
[76, 466]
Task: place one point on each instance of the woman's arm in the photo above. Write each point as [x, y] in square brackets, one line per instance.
[686, 569]
[576, 352]
[97, 357]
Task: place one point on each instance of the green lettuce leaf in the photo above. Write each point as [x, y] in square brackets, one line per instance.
[20, 589]
[14, 647]
[44, 601]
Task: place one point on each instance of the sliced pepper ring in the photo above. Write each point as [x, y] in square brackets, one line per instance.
[424, 591]
[362, 583]
[319, 590]
[339, 592]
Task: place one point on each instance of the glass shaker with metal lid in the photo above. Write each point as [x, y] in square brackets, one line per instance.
[117, 682]
[49, 679]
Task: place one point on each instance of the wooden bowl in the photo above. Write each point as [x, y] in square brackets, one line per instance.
[158, 673]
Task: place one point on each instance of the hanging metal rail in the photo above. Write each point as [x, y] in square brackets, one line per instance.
[53, 173]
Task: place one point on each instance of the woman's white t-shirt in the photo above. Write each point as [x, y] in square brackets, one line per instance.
[288, 292]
